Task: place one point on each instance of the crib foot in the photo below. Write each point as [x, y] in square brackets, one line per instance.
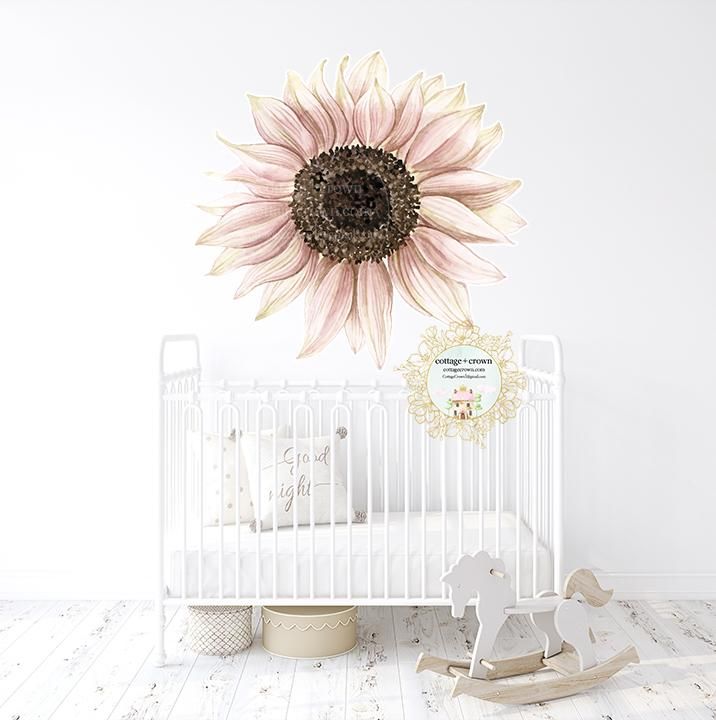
[160, 659]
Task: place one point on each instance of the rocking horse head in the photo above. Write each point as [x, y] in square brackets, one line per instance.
[475, 575]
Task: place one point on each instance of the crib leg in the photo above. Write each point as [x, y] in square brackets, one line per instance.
[160, 656]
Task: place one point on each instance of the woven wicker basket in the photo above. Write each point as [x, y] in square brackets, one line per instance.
[219, 629]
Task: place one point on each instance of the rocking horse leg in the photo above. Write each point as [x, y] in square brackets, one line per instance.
[547, 632]
[485, 641]
[572, 623]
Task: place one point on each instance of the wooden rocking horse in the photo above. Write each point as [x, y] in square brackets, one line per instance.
[561, 622]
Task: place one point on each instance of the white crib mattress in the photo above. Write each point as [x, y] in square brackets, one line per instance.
[333, 576]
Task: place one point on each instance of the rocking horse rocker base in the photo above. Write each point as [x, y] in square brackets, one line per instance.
[572, 681]
[561, 623]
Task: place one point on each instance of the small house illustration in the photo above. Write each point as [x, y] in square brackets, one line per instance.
[464, 403]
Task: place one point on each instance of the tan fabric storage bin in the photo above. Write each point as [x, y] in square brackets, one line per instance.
[303, 632]
[219, 629]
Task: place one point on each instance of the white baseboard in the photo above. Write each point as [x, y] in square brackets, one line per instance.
[63, 585]
[659, 586]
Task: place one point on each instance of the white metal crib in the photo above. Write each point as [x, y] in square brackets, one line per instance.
[425, 501]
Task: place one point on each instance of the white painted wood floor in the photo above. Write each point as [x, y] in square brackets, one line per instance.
[80, 660]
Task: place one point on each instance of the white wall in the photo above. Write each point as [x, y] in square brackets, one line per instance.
[107, 117]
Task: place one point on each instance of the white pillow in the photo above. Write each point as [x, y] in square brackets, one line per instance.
[283, 465]
[212, 481]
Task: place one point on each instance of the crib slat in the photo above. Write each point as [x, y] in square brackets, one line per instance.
[294, 507]
[332, 481]
[370, 503]
[386, 509]
[423, 486]
[498, 490]
[518, 505]
[460, 490]
[237, 495]
[311, 507]
[408, 451]
[222, 440]
[275, 507]
[443, 510]
[481, 496]
[534, 489]
[183, 473]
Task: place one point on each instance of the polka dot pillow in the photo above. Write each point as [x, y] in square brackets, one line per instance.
[213, 447]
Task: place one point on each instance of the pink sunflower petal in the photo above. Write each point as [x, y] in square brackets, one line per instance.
[268, 191]
[364, 75]
[433, 85]
[278, 124]
[445, 141]
[453, 259]
[345, 99]
[325, 264]
[285, 264]
[260, 187]
[271, 162]
[443, 101]
[447, 100]
[327, 308]
[408, 99]
[247, 224]
[234, 258]
[354, 331]
[426, 289]
[225, 203]
[333, 109]
[473, 188]
[280, 293]
[310, 111]
[374, 116]
[375, 305]
[487, 141]
[453, 218]
[503, 218]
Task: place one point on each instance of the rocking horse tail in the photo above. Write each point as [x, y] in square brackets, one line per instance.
[583, 581]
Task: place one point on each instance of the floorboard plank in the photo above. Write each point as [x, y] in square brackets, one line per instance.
[34, 646]
[704, 614]
[211, 685]
[425, 695]
[153, 691]
[264, 689]
[102, 686]
[687, 646]
[319, 690]
[651, 693]
[373, 682]
[67, 664]
[16, 618]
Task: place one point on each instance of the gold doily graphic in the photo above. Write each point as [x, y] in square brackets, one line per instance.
[474, 423]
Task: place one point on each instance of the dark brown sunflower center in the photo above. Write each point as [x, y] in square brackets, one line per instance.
[355, 203]
[358, 200]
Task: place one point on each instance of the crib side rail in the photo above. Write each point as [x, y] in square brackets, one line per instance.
[179, 378]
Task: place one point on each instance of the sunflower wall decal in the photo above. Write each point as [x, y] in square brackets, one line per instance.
[359, 191]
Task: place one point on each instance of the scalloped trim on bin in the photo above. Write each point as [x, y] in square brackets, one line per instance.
[304, 632]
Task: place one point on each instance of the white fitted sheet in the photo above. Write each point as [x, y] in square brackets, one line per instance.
[340, 545]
